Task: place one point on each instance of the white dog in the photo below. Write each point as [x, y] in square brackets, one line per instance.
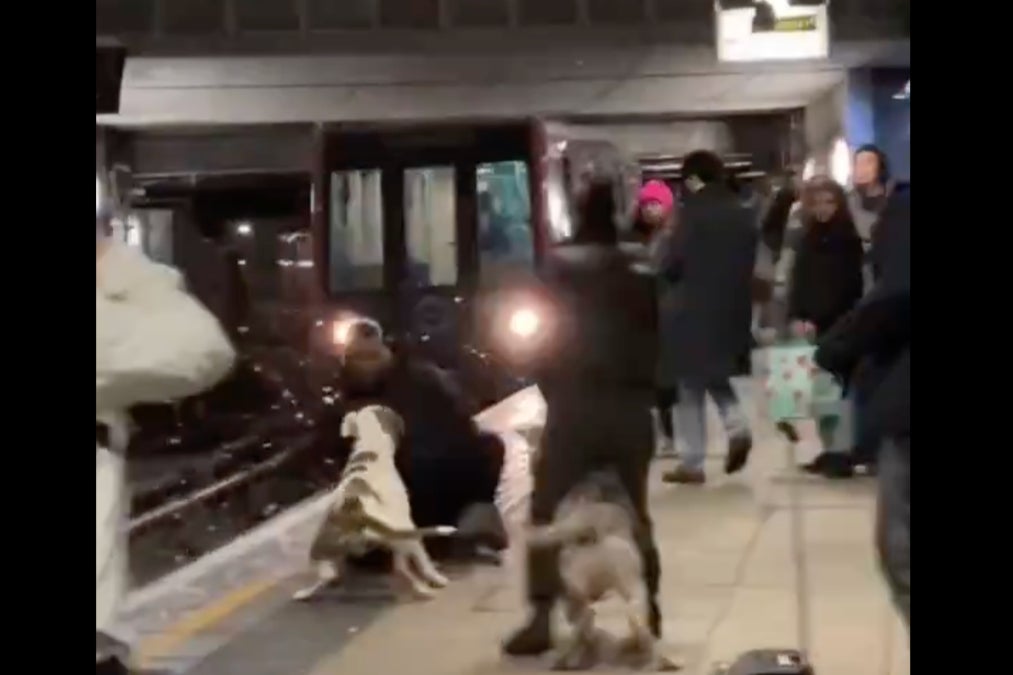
[369, 508]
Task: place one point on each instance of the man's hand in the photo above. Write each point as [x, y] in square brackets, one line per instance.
[804, 330]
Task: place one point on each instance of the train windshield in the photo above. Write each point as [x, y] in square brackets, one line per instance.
[455, 217]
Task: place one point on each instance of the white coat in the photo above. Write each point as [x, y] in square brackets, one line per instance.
[153, 342]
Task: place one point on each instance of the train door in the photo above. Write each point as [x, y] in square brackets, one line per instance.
[421, 224]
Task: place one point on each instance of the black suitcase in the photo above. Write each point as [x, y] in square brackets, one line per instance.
[769, 662]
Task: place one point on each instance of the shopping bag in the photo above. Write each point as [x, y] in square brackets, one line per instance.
[794, 387]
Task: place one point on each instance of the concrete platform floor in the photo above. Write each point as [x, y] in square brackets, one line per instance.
[731, 562]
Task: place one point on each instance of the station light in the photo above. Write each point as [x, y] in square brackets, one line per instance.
[840, 162]
[809, 169]
[524, 323]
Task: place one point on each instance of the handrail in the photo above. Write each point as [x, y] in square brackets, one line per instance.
[236, 480]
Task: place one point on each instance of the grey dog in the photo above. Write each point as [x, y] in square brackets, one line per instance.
[596, 527]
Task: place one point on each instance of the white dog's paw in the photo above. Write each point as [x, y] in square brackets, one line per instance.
[304, 594]
[437, 580]
[423, 593]
[445, 530]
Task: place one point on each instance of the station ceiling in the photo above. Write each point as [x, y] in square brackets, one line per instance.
[657, 80]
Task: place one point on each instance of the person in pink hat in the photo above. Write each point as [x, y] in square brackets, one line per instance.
[656, 214]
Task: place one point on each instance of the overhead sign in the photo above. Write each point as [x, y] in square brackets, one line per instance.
[772, 30]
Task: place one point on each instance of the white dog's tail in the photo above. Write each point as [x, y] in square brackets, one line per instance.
[423, 532]
[415, 533]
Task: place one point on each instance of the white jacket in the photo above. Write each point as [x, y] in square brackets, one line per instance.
[153, 342]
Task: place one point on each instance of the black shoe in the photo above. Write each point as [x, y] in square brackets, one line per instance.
[838, 465]
[534, 638]
[111, 666]
[866, 469]
[738, 453]
[819, 462]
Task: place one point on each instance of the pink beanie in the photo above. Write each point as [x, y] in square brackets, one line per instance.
[656, 191]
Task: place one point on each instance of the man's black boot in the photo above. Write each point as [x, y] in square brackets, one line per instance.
[111, 666]
[654, 620]
[535, 637]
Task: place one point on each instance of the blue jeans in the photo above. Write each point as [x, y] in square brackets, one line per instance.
[691, 418]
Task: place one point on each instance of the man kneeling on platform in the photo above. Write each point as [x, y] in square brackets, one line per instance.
[450, 468]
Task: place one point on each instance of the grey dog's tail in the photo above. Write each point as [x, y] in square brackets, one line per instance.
[567, 530]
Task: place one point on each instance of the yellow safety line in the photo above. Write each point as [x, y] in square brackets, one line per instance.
[201, 620]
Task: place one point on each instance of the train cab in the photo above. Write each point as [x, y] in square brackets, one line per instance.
[437, 231]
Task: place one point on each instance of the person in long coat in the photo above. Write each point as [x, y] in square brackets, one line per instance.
[710, 257]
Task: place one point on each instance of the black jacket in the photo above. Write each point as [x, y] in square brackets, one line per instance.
[879, 329]
[603, 319]
[826, 279]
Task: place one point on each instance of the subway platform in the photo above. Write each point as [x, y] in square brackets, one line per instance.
[768, 558]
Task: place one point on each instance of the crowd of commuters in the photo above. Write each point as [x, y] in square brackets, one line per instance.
[835, 264]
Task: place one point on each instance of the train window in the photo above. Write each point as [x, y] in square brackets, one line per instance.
[355, 242]
[505, 244]
[430, 207]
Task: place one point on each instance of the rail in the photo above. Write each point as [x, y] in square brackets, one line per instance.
[228, 484]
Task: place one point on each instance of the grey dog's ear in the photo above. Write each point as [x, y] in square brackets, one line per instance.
[391, 422]
[349, 428]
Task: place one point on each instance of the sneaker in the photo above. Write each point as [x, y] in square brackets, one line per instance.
[739, 448]
[682, 475]
[534, 638]
[665, 447]
[818, 463]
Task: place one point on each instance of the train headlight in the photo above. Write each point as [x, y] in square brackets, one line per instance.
[348, 326]
[341, 330]
[524, 323]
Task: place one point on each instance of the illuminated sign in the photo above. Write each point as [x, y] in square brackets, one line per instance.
[772, 30]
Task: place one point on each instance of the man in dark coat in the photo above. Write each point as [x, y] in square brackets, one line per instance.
[710, 257]
[880, 329]
[596, 376]
[447, 463]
